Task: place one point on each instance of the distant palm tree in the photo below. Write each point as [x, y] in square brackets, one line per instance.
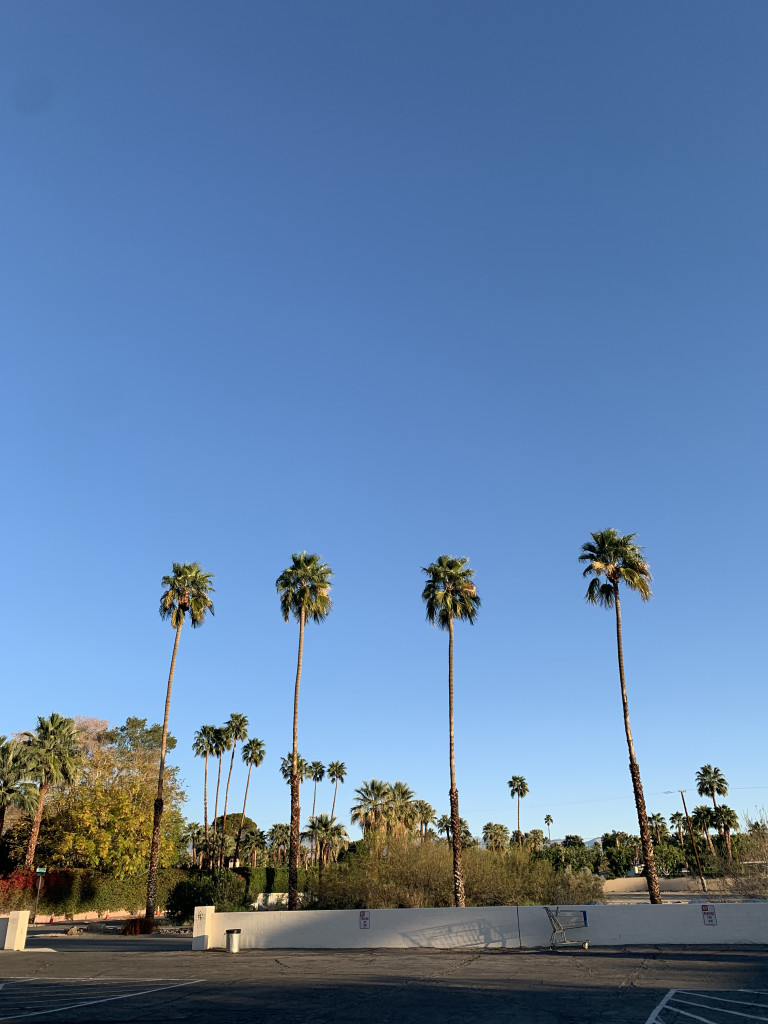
[52, 755]
[304, 770]
[711, 781]
[518, 787]
[15, 788]
[252, 754]
[328, 834]
[703, 819]
[548, 820]
[219, 748]
[450, 594]
[727, 821]
[304, 589]
[658, 826]
[677, 820]
[236, 728]
[495, 836]
[370, 810]
[203, 746]
[401, 813]
[186, 593]
[425, 816]
[444, 824]
[337, 772]
[620, 560]
[279, 837]
[317, 769]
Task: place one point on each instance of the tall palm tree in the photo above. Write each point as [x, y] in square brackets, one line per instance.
[518, 787]
[304, 770]
[52, 755]
[203, 745]
[548, 821]
[337, 772]
[236, 728]
[219, 749]
[304, 589]
[252, 754]
[711, 781]
[15, 788]
[619, 560]
[450, 594]
[186, 593]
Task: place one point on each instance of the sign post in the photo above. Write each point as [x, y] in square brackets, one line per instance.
[40, 872]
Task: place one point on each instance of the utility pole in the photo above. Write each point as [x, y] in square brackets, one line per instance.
[690, 829]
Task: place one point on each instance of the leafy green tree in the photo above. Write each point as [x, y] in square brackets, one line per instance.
[304, 589]
[619, 560]
[518, 787]
[204, 745]
[137, 735]
[236, 729]
[186, 593]
[53, 755]
[450, 594]
[710, 782]
[548, 821]
[253, 755]
[15, 789]
[337, 772]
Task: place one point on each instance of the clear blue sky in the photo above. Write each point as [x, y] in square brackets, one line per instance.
[387, 281]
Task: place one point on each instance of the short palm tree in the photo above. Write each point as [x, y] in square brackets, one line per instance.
[658, 826]
[618, 559]
[187, 592]
[450, 594]
[15, 789]
[52, 755]
[518, 787]
[677, 820]
[711, 781]
[425, 816]
[203, 745]
[304, 589]
[279, 837]
[401, 813]
[236, 729]
[703, 819]
[317, 769]
[444, 824]
[495, 836]
[727, 821]
[369, 812]
[548, 821]
[337, 772]
[252, 754]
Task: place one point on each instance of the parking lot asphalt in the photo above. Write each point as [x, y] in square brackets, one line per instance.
[115, 979]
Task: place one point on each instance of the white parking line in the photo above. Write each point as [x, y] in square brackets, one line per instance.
[710, 1003]
[108, 999]
[654, 1016]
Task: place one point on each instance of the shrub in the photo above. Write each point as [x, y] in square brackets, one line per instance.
[224, 890]
[138, 926]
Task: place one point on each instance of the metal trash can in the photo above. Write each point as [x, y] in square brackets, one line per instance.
[233, 940]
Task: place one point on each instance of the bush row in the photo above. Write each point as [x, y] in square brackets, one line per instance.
[77, 891]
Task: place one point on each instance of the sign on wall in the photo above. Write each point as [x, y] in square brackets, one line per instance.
[708, 913]
[365, 919]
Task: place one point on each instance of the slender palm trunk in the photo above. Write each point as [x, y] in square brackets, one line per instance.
[295, 841]
[519, 833]
[634, 770]
[29, 860]
[205, 803]
[242, 820]
[226, 798]
[458, 875]
[216, 812]
[154, 855]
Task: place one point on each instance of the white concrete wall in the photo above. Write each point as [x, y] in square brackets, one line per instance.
[484, 927]
[13, 930]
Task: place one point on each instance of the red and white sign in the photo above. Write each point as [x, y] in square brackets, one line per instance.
[708, 913]
[365, 919]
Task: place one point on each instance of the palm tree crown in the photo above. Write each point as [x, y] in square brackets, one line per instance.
[711, 781]
[304, 587]
[620, 561]
[186, 591]
[449, 592]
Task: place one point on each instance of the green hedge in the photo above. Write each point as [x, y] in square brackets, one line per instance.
[270, 879]
[77, 891]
